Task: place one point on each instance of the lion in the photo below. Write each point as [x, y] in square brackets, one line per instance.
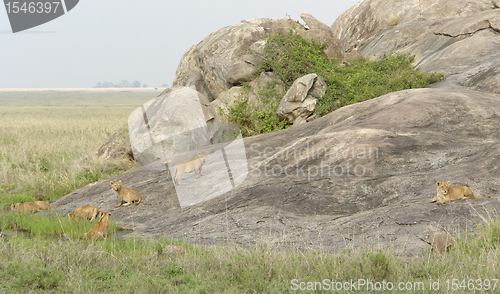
[100, 229]
[44, 205]
[191, 165]
[445, 193]
[125, 194]
[441, 242]
[88, 211]
[25, 206]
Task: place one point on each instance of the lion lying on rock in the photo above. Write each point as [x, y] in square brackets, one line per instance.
[445, 193]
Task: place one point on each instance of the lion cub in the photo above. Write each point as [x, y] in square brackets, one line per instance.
[191, 165]
[100, 229]
[25, 206]
[445, 193]
[125, 194]
[31, 206]
[88, 211]
[44, 205]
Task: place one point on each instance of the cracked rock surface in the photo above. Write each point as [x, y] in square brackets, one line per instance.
[457, 38]
[363, 174]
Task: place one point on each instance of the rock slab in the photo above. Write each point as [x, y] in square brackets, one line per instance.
[363, 174]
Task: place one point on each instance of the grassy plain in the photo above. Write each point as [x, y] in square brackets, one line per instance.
[42, 147]
[36, 265]
[45, 135]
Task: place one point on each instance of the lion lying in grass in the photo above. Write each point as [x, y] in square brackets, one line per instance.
[25, 207]
[88, 211]
[31, 206]
[445, 193]
[44, 205]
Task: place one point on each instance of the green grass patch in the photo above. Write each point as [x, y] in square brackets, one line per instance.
[7, 199]
[291, 56]
[38, 264]
[54, 145]
[48, 224]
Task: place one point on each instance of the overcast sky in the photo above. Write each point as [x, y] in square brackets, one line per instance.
[114, 40]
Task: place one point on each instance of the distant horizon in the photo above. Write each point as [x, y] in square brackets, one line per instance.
[81, 89]
[129, 40]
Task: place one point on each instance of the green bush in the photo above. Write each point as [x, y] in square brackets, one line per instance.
[255, 119]
[291, 56]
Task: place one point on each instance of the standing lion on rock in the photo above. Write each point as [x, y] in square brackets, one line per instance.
[191, 165]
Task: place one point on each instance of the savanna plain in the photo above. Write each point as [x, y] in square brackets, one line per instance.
[47, 139]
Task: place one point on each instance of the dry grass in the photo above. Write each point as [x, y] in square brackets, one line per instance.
[393, 20]
[42, 147]
[143, 266]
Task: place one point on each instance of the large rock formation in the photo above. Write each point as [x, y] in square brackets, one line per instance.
[362, 174]
[367, 18]
[172, 123]
[457, 38]
[229, 56]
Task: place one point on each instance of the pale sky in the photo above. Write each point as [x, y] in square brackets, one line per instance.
[114, 40]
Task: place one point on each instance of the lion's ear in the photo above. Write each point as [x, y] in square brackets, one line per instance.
[438, 182]
[120, 182]
[111, 182]
[448, 183]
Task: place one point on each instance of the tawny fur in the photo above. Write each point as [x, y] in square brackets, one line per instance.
[191, 165]
[43, 205]
[88, 211]
[126, 195]
[446, 194]
[99, 230]
[25, 207]
[441, 242]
